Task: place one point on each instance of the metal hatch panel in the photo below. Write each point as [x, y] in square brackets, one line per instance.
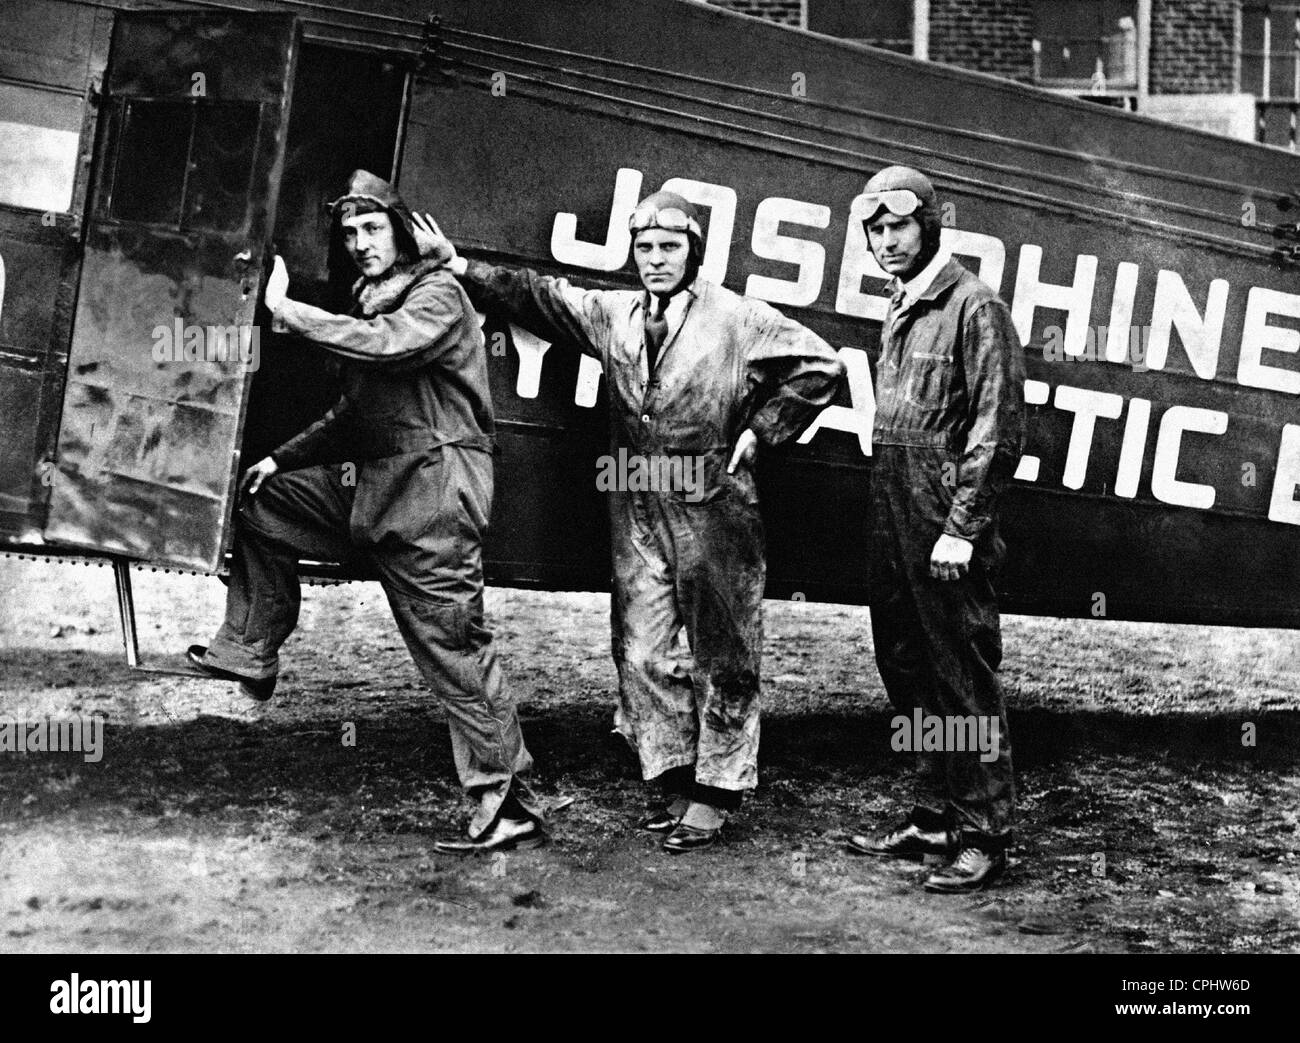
[188, 160]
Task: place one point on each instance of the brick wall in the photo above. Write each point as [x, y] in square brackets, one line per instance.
[787, 12]
[1192, 41]
[986, 35]
[989, 35]
[1192, 45]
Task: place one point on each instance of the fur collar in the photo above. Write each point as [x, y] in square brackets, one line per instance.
[385, 292]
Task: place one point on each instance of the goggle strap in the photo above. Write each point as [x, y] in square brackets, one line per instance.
[670, 219]
[901, 202]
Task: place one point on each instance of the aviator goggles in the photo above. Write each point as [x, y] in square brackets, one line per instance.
[901, 202]
[670, 219]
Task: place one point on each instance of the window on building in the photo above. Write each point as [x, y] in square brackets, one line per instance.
[1270, 50]
[885, 23]
[1091, 45]
[1270, 69]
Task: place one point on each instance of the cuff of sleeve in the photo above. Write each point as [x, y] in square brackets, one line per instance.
[964, 525]
[764, 431]
[283, 318]
[781, 419]
[285, 458]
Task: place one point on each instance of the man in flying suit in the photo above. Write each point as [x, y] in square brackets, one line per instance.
[948, 432]
[398, 472]
[695, 373]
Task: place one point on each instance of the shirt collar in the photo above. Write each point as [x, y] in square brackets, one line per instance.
[677, 303]
[916, 287]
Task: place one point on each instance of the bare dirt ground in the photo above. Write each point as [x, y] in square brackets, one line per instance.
[212, 824]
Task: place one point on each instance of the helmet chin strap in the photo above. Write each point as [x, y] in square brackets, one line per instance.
[688, 277]
[927, 254]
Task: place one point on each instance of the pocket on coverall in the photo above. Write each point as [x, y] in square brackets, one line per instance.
[926, 380]
[399, 498]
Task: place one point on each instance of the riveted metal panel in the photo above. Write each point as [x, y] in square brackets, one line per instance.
[164, 344]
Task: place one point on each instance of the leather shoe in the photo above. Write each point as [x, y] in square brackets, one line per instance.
[508, 834]
[662, 821]
[689, 838]
[972, 870]
[907, 841]
[259, 688]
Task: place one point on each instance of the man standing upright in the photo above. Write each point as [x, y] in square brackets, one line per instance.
[949, 430]
[399, 473]
[697, 376]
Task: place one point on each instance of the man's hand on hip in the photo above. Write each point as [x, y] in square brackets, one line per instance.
[950, 558]
[746, 450]
[277, 285]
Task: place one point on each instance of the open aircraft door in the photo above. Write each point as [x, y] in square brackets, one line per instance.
[188, 158]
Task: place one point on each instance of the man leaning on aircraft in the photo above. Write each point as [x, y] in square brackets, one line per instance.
[415, 421]
[697, 371]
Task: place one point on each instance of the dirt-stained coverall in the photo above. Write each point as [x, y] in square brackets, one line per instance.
[727, 363]
[410, 490]
[948, 433]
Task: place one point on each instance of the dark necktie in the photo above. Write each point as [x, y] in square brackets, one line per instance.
[656, 328]
[895, 306]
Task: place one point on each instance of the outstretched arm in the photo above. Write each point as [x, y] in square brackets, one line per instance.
[430, 321]
[551, 308]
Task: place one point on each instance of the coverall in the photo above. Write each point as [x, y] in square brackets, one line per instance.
[408, 488]
[948, 432]
[726, 363]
